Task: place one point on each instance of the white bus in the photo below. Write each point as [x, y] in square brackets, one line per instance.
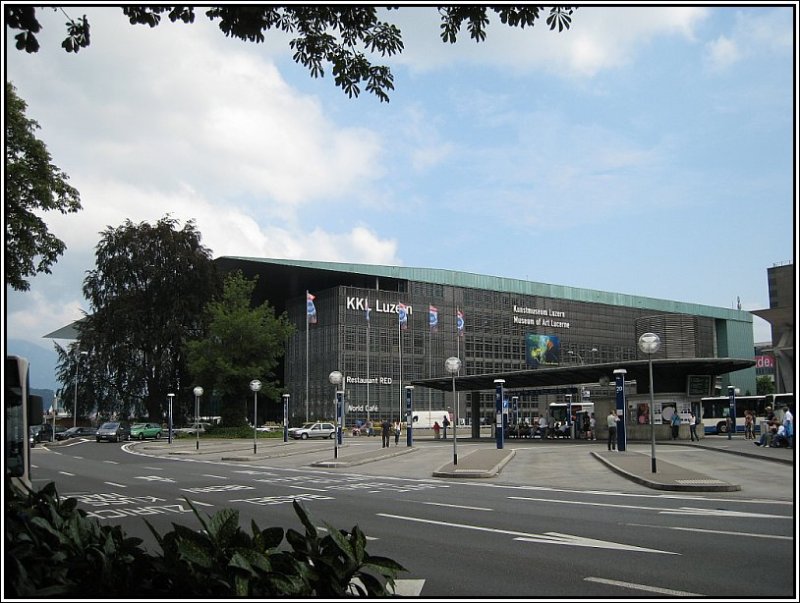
[716, 409]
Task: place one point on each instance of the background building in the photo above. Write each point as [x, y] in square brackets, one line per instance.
[780, 315]
[507, 325]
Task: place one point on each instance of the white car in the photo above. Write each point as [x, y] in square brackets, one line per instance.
[192, 429]
[313, 430]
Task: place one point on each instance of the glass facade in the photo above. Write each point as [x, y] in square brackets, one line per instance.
[503, 331]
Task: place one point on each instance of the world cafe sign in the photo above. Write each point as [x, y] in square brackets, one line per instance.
[362, 304]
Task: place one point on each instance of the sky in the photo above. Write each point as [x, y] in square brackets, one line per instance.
[648, 150]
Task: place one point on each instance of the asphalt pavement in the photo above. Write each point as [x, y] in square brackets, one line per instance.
[482, 459]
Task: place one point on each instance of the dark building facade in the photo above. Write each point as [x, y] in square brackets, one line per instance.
[507, 325]
[780, 314]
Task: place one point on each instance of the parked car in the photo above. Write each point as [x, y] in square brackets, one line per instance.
[77, 432]
[113, 431]
[44, 432]
[313, 430]
[141, 431]
[192, 429]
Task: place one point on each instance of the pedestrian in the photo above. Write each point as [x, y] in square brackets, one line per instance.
[385, 427]
[749, 431]
[543, 427]
[611, 420]
[675, 421]
[693, 427]
[436, 429]
[445, 424]
[788, 425]
[590, 430]
[396, 433]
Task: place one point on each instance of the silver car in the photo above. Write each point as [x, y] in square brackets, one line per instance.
[313, 430]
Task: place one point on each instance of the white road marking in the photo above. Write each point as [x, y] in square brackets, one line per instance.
[726, 532]
[214, 476]
[659, 510]
[653, 589]
[720, 513]
[547, 538]
[112, 462]
[452, 506]
[115, 484]
[67, 473]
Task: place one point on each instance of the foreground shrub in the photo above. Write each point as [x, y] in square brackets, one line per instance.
[52, 549]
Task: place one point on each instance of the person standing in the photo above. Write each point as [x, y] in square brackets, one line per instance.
[675, 421]
[611, 420]
[693, 427]
[436, 429]
[788, 425]
[445, 425]
[385, 427]
[396, 433]
[591, 434]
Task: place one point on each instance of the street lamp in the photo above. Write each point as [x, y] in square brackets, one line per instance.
[169, 417]
[198, 391]
[649, 343]
[336, 380]
[255, 387]
[453, 365]
[75, 405]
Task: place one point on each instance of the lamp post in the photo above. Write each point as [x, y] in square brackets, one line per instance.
[255, 387]
[198, 391]
[649, 343]
[75, 404]
[285, 417]
[169, 417]
[453, 365]
[336, 380]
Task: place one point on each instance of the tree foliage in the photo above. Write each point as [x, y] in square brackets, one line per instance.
[241, 343]
[32, 184]
[337, 37]
[146, 295]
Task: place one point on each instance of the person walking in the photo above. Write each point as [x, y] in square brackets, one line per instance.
[693, 427]
[611, 420]
[749, 426]
[592, 433]
[396, 433]
[436, 429]
[385, 427]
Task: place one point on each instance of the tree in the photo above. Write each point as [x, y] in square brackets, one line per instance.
[146, 294]
[241, 344]
[334, 36]
[764, 385]
[32, 183]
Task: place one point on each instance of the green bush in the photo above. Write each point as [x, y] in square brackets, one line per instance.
[52, 549]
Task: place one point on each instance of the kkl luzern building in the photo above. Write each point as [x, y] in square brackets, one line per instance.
[387, 327]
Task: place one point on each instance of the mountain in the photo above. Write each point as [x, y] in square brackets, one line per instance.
[42, 363]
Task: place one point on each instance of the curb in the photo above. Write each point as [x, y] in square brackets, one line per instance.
[353, 462]
[720, 487]
[474, 473]
[760, 457]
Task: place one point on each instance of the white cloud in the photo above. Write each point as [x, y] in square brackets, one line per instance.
[722, 53]
[599, 39]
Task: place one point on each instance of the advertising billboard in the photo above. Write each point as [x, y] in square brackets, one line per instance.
[542, 350]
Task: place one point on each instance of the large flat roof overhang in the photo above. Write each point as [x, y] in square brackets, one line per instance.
[667, 369]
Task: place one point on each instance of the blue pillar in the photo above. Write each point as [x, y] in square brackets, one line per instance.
[732, 411]
[515, 408]
[409, 415]
[498, 407]
[339, 410]
[619, 378]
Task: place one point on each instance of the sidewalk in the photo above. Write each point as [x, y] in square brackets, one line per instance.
[486, 461]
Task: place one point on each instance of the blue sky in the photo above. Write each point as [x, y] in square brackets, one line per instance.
[647, 151]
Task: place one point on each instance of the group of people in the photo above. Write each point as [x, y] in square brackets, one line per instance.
[387, 429]
[778, 434]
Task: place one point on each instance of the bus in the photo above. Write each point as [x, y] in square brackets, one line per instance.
[715, 411]
[21, 411]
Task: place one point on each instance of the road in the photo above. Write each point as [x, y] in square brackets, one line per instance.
[554, 523]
